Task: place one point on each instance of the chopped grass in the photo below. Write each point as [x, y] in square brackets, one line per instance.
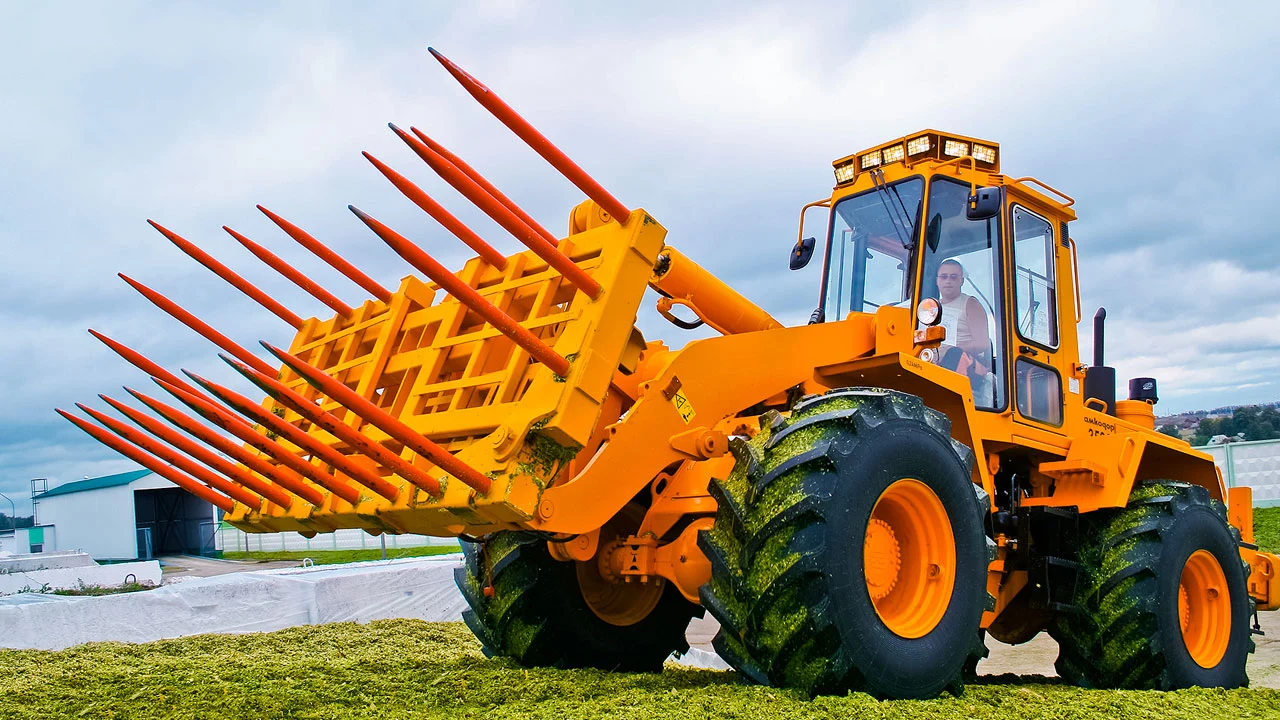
[1266, 528]
[335, 557]
[409, 668]
[95, 590]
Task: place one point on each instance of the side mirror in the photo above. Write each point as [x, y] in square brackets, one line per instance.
[802, 252]
[984, 204]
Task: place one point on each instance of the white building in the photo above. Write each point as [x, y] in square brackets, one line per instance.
[121, 517]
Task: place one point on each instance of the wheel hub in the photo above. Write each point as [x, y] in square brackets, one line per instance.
[1204, 609]
[883, 558]
[909, 558]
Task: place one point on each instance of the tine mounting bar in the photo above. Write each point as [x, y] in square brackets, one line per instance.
[536, 140]
[336, 261]
[379, 418]
[251, 437]
[202, 328]
[151, 463]
[467, 295]
[282, 476]
[441, 215]
[239, 475]
[309, 410]
[229, 275]
[293, 274]
[501, 215]
[244, 405]
[178, 460]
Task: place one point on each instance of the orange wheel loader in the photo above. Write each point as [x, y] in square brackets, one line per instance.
[860, 501]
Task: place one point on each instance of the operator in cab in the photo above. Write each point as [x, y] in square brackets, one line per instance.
[967, 346]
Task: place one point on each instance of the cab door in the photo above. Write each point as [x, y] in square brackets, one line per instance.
[1038, 366]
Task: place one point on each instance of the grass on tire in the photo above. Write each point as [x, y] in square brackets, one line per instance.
[413, 669]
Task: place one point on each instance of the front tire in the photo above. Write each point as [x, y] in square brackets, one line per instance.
[528, 606]
[1165, 602]
[848, 551]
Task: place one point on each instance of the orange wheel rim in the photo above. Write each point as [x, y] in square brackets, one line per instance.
[909, 558]
[1204, 609]
[613, 601]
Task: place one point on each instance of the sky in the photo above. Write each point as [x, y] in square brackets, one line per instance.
[720, 119]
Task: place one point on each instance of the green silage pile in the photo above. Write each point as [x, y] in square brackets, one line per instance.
[409, 668]
[1266, 528]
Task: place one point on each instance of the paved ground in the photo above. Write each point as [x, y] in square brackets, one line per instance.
[190, 566]
[1036, 657]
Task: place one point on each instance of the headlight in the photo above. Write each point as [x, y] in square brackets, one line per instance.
[919, 145]
[985, 154]
[955, 148]
[845, 173]
[870, 160]
[929, 312]
[893, 153]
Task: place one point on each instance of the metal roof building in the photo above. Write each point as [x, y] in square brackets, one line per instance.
[127, 515]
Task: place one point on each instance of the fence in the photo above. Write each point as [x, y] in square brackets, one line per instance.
[1255, 463]
[230, 539]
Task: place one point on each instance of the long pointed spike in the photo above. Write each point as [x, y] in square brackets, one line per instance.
[146, 365]
[273, 449]
[279, 474]
[441, 215]
[325, 253]
[151, 463]
[384, 421]
[309, 410]
[536, 140]
[501, 215]
[294, 275]
[178, 460]
[486, 185]
[236, 474]
[202, 328]
[230, 276]
[248, 408]
[467, 295]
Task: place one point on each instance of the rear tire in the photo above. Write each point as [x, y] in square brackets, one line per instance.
[537, 616]
[821, 578]
[1164, 602]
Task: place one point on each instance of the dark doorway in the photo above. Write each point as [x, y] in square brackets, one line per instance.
[171, 520]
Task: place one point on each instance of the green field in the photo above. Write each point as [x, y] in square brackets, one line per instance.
[334, 557]
[1266, 528]
[409, 668]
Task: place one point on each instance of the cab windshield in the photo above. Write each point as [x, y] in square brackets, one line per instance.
[870, 248]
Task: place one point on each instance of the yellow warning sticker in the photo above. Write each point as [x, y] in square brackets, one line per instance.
[683, 406]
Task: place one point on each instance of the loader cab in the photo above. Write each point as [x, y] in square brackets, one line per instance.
[900, 232]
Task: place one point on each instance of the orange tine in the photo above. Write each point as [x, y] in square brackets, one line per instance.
[223, 419]
[195, 323]
[247, 407]
[467, 295]
[336, 261]
[295, 276]
[283, 477]
[535, 139]
[155, 427]
[504, 217]
[178, 460]
[151, 463]
[229, 275]
[488, 186]
[309, 410]
[442, 216]
[137, 360]
[384, 421]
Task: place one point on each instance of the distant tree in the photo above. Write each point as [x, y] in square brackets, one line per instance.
[1255, 422]
[1171, 430]
[8, 523]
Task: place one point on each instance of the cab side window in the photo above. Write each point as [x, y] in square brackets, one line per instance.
[1035, 290]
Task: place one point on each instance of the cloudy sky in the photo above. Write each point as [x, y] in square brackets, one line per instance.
[721, 119]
